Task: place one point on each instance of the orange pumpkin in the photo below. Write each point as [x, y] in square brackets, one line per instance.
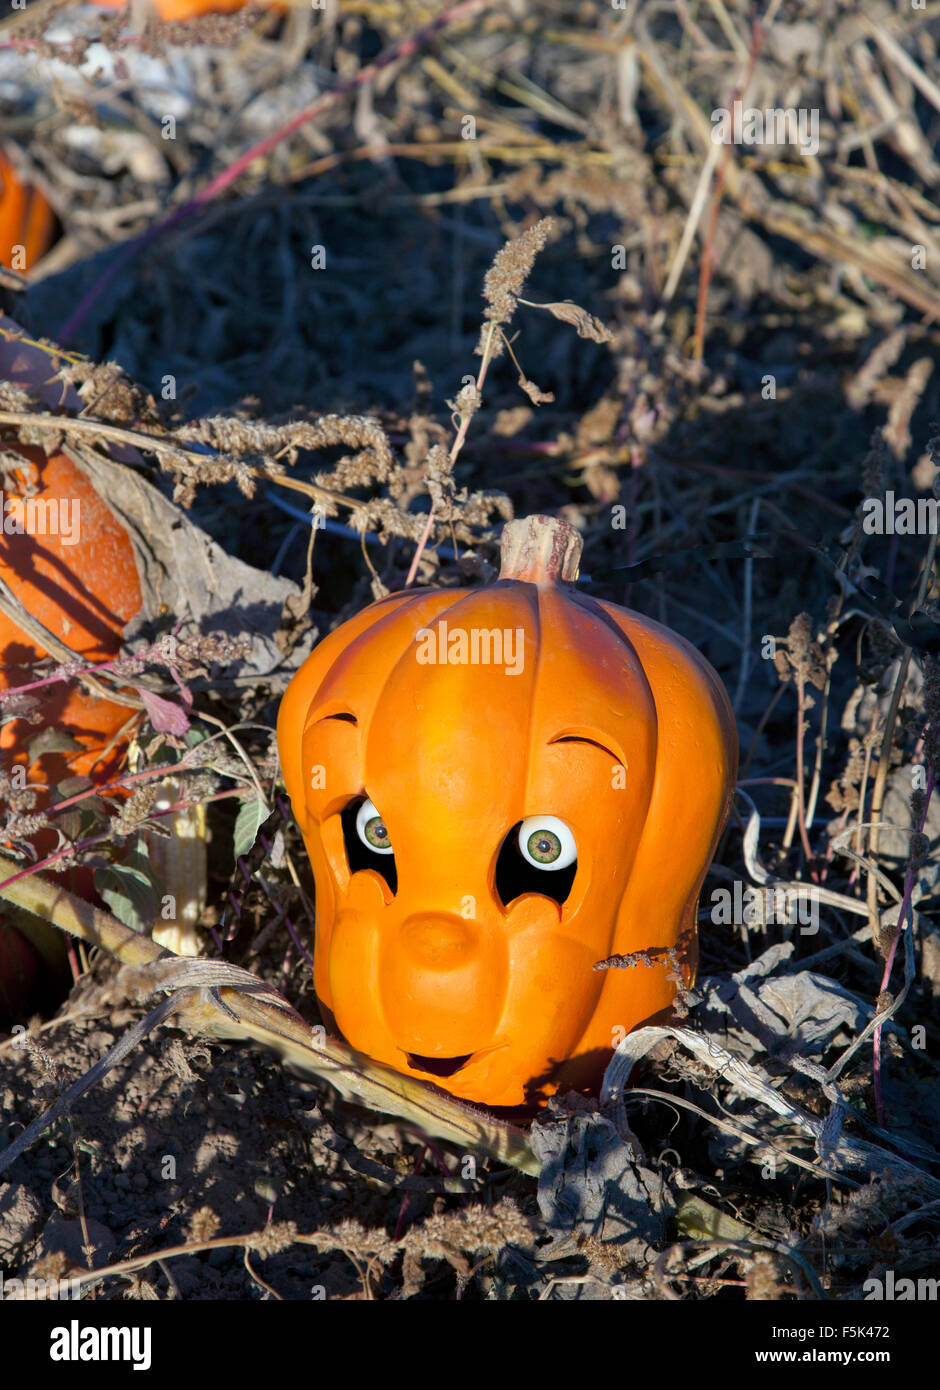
[71, 564]
[83, 593]
[184, 9]
[498, 788]
[80, 581]
[27, 222]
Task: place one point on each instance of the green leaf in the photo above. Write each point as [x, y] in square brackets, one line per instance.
[251, 816]
[131, 891]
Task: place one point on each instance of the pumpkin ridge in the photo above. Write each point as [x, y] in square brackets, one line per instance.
[312, 713]
[597, 610]
[536, 685]
[459, 596]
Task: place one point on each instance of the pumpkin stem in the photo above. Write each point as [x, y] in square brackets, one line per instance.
[539, 550]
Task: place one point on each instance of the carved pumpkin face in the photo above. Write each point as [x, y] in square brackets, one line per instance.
[498, 788]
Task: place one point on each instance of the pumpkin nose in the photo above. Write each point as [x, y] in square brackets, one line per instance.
[443, 984]
[439, 942]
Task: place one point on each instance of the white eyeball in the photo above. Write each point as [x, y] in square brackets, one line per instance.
[547, 843]
[370, 827]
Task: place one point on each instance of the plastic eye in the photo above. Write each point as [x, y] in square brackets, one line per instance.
[370, 827]
[547, 843]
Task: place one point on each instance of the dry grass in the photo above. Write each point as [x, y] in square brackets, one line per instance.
[772, 334]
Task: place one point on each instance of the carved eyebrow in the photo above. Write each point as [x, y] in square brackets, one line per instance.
[320, 716]
[594, 740]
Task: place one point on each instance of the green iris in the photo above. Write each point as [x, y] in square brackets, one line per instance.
[544, 846]
[376, 833]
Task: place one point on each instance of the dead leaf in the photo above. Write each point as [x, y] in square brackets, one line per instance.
[586, 325]
[535, 394]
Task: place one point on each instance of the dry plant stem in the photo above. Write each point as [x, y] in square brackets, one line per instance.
[741, 1132]
[87, 1278]
[67, 1099]
[688, 232]
[768, 782]
[256, 1278]
[863, 792]
[413, 570]
[705, 275]
[405, 48]
[13, 609]
[227, 733]
[798, 808]
[455, 450]
[130, 778]
[90, 669]
[904, 912]
[893, 50]
[139, 439]
[458, 151]
[820, 749]
[884, 756]
[54, 353]
[254, 1241]
[107, 835]
[881, 773]
[235, 1004]
[727, 25]
[746, 618]
[765, 717]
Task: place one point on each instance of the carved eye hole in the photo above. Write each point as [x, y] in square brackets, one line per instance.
[547, 843]
[539, 855]
[367, 841]
[370, 827]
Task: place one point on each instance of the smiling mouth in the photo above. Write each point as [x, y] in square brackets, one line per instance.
[438, 1066]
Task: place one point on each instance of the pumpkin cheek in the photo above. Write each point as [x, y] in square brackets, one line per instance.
[554, 990]
[346, 957]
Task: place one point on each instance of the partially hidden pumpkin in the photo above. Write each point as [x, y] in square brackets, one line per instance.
[27, 222]
[77, 575]
[185, 9]
[499, 788]
[70, 563]
[80, 581]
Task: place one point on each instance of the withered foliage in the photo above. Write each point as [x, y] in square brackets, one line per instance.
[753, 357]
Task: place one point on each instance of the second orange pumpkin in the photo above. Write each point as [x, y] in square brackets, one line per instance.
[27, 222]
[80, 581]
[184, 9]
